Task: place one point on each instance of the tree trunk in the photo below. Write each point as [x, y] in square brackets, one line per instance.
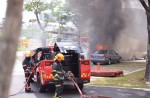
[8, 43]
[147, 9]
[79, 33]
[43, 37]
[147, 72]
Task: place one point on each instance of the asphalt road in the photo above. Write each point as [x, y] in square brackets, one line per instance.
[69, 91]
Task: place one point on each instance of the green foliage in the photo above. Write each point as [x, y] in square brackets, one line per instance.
[59, 11]
[36, 5]
[62, 14]
[47, 19]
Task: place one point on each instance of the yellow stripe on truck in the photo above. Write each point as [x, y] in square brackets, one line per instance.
[84, 75]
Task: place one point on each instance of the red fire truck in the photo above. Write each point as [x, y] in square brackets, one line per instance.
[79, 67]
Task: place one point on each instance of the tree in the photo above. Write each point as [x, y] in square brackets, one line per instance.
[37, 6]
[8, 43]
[63, 15]
[56, 9]
[147, 9]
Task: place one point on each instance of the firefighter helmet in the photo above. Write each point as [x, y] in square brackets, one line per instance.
[59, 57]
[27, 54]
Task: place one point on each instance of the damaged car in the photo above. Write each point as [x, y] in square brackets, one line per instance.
[105, 57]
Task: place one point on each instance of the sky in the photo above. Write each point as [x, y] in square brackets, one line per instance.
[30, 15]
[3, 5]
[2, 9]
[26, 15]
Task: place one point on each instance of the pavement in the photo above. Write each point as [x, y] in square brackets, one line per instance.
[69, 90]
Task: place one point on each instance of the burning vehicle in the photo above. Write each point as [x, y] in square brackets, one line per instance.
[105, 57]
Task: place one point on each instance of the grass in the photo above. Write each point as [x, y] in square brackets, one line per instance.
[134, 80]
[125, 66]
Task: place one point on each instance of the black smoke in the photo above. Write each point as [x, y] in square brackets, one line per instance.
[101, 19]
[117, 24]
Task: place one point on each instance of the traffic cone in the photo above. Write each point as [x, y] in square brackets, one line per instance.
[98, 67]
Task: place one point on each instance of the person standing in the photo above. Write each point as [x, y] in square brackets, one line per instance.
[37, 63]
[28, 71]
[58, 73]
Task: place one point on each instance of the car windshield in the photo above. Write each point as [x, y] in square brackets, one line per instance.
[101, 52]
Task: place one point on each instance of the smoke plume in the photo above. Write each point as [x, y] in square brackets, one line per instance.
[101, 19]
[133, 37]
[115, 24]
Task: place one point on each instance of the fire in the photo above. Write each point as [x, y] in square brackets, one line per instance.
[101, 47]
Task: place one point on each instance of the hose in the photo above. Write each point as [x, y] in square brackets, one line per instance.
[80, 92]
[24, 85]
[72, 78]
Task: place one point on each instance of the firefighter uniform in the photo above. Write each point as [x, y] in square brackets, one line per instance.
[28, 71]
[58, 74]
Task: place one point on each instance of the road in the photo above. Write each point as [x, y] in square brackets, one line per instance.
[69, 91]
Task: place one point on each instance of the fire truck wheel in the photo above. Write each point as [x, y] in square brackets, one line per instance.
[41, 88]
[81, 85]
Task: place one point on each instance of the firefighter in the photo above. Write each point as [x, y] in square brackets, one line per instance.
[58, 74]
[28, 71]
[39, 57]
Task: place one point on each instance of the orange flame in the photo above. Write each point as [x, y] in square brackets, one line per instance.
[101, 47]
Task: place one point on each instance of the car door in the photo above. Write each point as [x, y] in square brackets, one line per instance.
[115, 56]
[97, 55]
[111, 55]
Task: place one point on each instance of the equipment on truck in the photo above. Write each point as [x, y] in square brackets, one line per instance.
[79, 67]
[78, 70]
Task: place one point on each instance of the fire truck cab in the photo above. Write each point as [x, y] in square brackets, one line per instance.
[79, 67]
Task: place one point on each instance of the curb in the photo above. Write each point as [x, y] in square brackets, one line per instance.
[135, 71]
[144, 89]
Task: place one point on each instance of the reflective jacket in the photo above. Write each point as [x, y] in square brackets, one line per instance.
[57, 71]
[27, 66]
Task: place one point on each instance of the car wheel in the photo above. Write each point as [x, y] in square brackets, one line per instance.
[119, 61]
[94, 63]
[109, 62]
[41, 88]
